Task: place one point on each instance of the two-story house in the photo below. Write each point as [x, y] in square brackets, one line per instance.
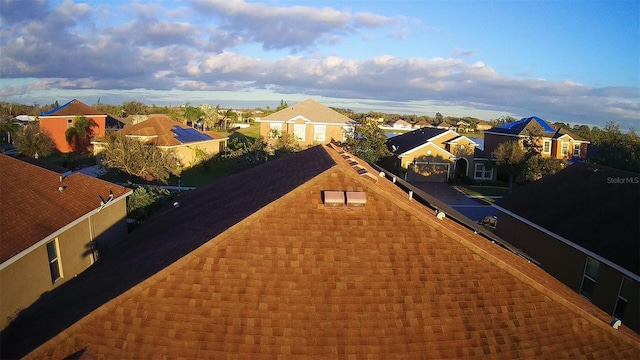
[581, 224]
[309, 122]
[52, 228]
[56, 122]
[554, 142]
[436, 155]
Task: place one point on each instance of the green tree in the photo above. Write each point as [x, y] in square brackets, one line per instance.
[617, 149]
[536, 167]
[136, 158]
[134, 108]
[368, 142]
[8, 130]
[30, 140]
[283, 105]
[510, 157]
[78, 135]
[209, 116]
[193, 113]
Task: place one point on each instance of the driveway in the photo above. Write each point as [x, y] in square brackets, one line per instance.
[473, 209]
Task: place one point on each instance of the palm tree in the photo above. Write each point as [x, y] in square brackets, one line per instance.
[78, 135]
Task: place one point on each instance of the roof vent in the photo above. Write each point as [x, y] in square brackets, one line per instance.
[440, 215]
[615, 323]
[356, 198]
[333, 198]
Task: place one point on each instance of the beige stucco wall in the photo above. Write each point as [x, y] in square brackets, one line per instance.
[335, 132]
[24, 281]
[188, 154]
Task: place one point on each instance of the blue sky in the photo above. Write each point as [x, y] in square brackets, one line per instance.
[569, 61]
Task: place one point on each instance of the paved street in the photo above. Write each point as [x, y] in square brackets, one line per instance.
[473, 209]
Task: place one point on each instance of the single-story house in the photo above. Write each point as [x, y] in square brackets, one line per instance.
[437, 155]
[187, 142]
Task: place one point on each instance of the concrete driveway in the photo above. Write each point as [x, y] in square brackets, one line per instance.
[473, 209]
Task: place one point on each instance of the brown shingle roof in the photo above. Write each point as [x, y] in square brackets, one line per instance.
[296, 279]
[311, 110]
[166, 131]
[33, 207]
[72, 108]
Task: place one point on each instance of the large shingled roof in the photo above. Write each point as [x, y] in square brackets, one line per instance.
[284, 276]
[167, 132]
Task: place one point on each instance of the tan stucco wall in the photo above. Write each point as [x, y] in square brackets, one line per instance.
[335, 132]
[24, 281]
[188, 155]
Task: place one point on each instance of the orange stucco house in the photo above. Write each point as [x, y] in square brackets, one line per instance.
[56, 122]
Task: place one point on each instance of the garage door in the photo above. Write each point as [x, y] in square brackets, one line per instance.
[430, 172]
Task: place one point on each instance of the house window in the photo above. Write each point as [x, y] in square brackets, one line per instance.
[590, 277]
[546, 147]
[565, 149]
[348, 132]
[54, 260]
[623, 298]
[482, 172]
[319, 133]
[298, 131]
[69, 123]
[576, 149]
[275, 130]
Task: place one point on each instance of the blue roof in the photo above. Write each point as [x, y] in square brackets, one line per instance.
[189, 135]
[54, 110]
[542, 123]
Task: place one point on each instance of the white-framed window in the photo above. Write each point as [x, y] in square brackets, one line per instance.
[589, 278]
[623, 298]
[69, 123]
[576, 149]
[348, 132]
[298, 131]
[319, 133]
[482, 172]
[546, 146]
[275, 130]
[53, 252]
[565, 149]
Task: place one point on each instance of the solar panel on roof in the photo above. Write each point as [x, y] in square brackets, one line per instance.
[189, 135]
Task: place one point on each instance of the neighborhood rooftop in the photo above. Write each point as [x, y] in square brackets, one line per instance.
[309, 109]
[38, 202]
[72, 108]
[167, 132]
[266, 270]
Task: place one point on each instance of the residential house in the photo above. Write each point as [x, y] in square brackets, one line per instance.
[444, 125]
[581, 224]
[56, 122]
[189, 143]
[309, 122]
[554, 142]
[312, 258]
[401, 124]
[463, 126]
[51, 229]
[482, 126]
[436, 155]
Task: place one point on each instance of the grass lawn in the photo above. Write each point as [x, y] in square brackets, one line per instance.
[252, 131]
